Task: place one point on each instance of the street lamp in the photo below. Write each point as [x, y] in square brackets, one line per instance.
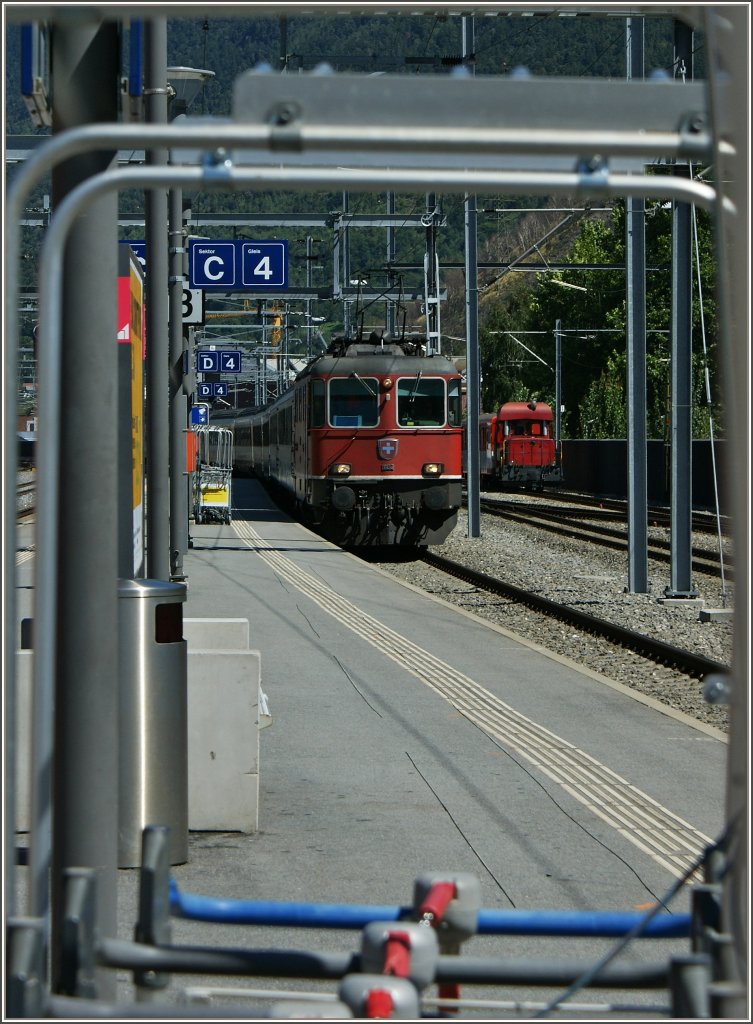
[186, 84]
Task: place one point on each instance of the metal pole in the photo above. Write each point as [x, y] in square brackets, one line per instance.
[431, 278]
[681, 428]
[80, 635]
[557, 389]
[346, 265]
[157, 343]
[309, 259]
[178, 414]
[681, 509]
[727, 34]
[635, 262]
[472, 362]
[391, 317]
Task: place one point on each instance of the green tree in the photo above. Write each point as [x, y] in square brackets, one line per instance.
[591, 307]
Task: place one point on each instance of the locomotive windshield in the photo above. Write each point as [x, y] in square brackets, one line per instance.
[454, 402]
[527, 428]
[353, 401]
[421, 401]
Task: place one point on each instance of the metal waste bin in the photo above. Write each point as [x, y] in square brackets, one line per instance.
[153, 762]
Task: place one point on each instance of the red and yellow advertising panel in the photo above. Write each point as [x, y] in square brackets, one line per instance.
[131, 333]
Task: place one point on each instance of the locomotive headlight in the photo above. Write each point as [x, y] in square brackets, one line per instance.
[387, 384]
[340, 469]
[433, 468]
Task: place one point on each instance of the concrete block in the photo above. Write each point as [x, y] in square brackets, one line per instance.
[223, 740]
[716, 614]
[694, 603]
[223, 634]
[224, 718]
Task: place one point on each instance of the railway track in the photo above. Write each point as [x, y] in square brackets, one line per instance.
[657, 651]
[563, 524]
[26, 495]
[615, 509]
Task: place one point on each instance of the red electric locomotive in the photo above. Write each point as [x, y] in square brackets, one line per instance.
[517, 446]
[367, 443]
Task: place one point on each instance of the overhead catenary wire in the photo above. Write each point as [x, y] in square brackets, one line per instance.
[707, 383]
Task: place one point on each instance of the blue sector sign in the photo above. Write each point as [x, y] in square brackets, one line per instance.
[139, 249]
[208, 362]
[237, 265]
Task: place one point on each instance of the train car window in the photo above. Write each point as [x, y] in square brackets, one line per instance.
[420, 401]
[353, 401]
[454, 409]
[286, 426]
[318, 404]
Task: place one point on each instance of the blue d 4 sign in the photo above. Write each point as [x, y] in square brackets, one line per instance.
[207, 362]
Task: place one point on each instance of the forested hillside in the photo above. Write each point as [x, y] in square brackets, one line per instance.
[591, 45]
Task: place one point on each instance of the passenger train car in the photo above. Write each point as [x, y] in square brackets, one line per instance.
[517, 446]
[367, 443]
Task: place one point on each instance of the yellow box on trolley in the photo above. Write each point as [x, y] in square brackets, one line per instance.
[213, 475]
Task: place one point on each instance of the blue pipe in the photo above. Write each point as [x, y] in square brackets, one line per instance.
[588, 923]
[136, 60]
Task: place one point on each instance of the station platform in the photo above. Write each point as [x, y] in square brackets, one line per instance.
[407, 737]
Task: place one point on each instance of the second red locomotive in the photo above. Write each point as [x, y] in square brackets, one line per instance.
[367, 443]
[517, 446]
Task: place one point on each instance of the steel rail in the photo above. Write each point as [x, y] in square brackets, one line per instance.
[703, 521]
[656, 650]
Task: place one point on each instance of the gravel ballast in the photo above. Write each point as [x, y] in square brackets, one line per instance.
[594, 580]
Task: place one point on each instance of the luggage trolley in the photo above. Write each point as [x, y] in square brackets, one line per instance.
[214, 473]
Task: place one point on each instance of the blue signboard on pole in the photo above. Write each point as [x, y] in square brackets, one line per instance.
[230, 362]
[199, 415]
[212, 390]
[218, 361]
[207, 361]
[237, 265]
[139, 249]
[264, 264]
